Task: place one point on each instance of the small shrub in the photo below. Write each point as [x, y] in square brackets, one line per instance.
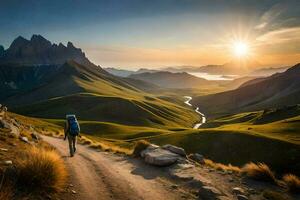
[96, 146]
[6, 192]
[139, 147]
[273, 195]
[222, 167]
[40, 170]
[292, 182]
[85, 141]
[260, 172]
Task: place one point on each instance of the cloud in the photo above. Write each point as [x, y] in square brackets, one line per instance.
[280, 36]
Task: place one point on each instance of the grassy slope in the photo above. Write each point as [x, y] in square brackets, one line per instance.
[274, 91]
[234, 139]
[97, 96]
[270, 136]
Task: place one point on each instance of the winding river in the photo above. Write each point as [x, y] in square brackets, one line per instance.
[203, 118]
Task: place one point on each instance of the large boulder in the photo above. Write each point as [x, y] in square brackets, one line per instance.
[174, 149]
[150, 148]
[197, 157]
[209, 193]
[160, 157]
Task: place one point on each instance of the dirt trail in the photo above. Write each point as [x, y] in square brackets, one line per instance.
[100, 175]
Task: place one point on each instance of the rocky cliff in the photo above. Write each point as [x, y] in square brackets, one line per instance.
[40, 51]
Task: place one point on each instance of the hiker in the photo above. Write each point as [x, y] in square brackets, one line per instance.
[72, 130]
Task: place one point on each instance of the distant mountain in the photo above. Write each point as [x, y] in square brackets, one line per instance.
[145, 70]
[119, 72]
[127, 73]
[278, 90]
[235, 67]
[268, 71]
[40, 51]
[172, 80]
[95, 95]
[37, 79]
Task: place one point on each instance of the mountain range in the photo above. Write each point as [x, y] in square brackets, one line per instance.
[280, 89]
[37, 83]
[40, 51]
[173, 80]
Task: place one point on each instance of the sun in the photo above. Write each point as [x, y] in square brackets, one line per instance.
[240, 49]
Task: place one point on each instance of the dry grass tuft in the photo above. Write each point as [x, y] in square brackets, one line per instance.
[6, 192]
[98, 146]
[40, 170]
[222, 167]
[260, 172]
[139, 147]
[273, 195]
[85, 141]
[292, 182]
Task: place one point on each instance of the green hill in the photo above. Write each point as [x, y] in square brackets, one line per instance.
[95, 95]
[270, 136]
[277, 90]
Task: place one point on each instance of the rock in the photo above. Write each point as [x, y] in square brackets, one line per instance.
[208, 193]
[160, 157]
[230, 180]
[3, 149]
[150, 148]
[73, 191]
[4, 108]
[185, 166]
[34, 136]
[197, 157]
[252, 191]
[24, 139]
[238, 190]
[174, 186]
[242, 197]
[8, 162]
[174, 149]
[4, 124]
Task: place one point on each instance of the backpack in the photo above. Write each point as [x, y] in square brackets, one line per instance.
[73, 126]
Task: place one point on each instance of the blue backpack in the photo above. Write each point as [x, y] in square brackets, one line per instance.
[73, 125]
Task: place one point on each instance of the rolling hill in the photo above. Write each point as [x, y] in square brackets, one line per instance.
[53, 90]
[96, 95]
[280, 89]
[173, 80]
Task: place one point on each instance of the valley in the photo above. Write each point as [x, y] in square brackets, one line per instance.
[233, 121]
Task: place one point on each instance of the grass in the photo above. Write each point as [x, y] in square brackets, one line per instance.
[6, 192]
[222, 167]
[260, 172]
[281, 124]
[274, 195]
[40, 170]
[292, 182]
[139, 147]
[123, 110]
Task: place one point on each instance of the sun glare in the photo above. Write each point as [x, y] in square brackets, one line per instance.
[241, 49]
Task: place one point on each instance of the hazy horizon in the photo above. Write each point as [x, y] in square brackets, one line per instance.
[156, 34]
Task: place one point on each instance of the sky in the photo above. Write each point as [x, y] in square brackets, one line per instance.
[158, 33]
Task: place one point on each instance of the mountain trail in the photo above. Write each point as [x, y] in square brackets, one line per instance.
[101, 176]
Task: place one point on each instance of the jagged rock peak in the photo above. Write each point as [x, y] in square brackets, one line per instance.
[70, 45]
[19, 41]
[39, 50]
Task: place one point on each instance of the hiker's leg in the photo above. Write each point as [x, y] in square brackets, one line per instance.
[74, 144]
[70, 145]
